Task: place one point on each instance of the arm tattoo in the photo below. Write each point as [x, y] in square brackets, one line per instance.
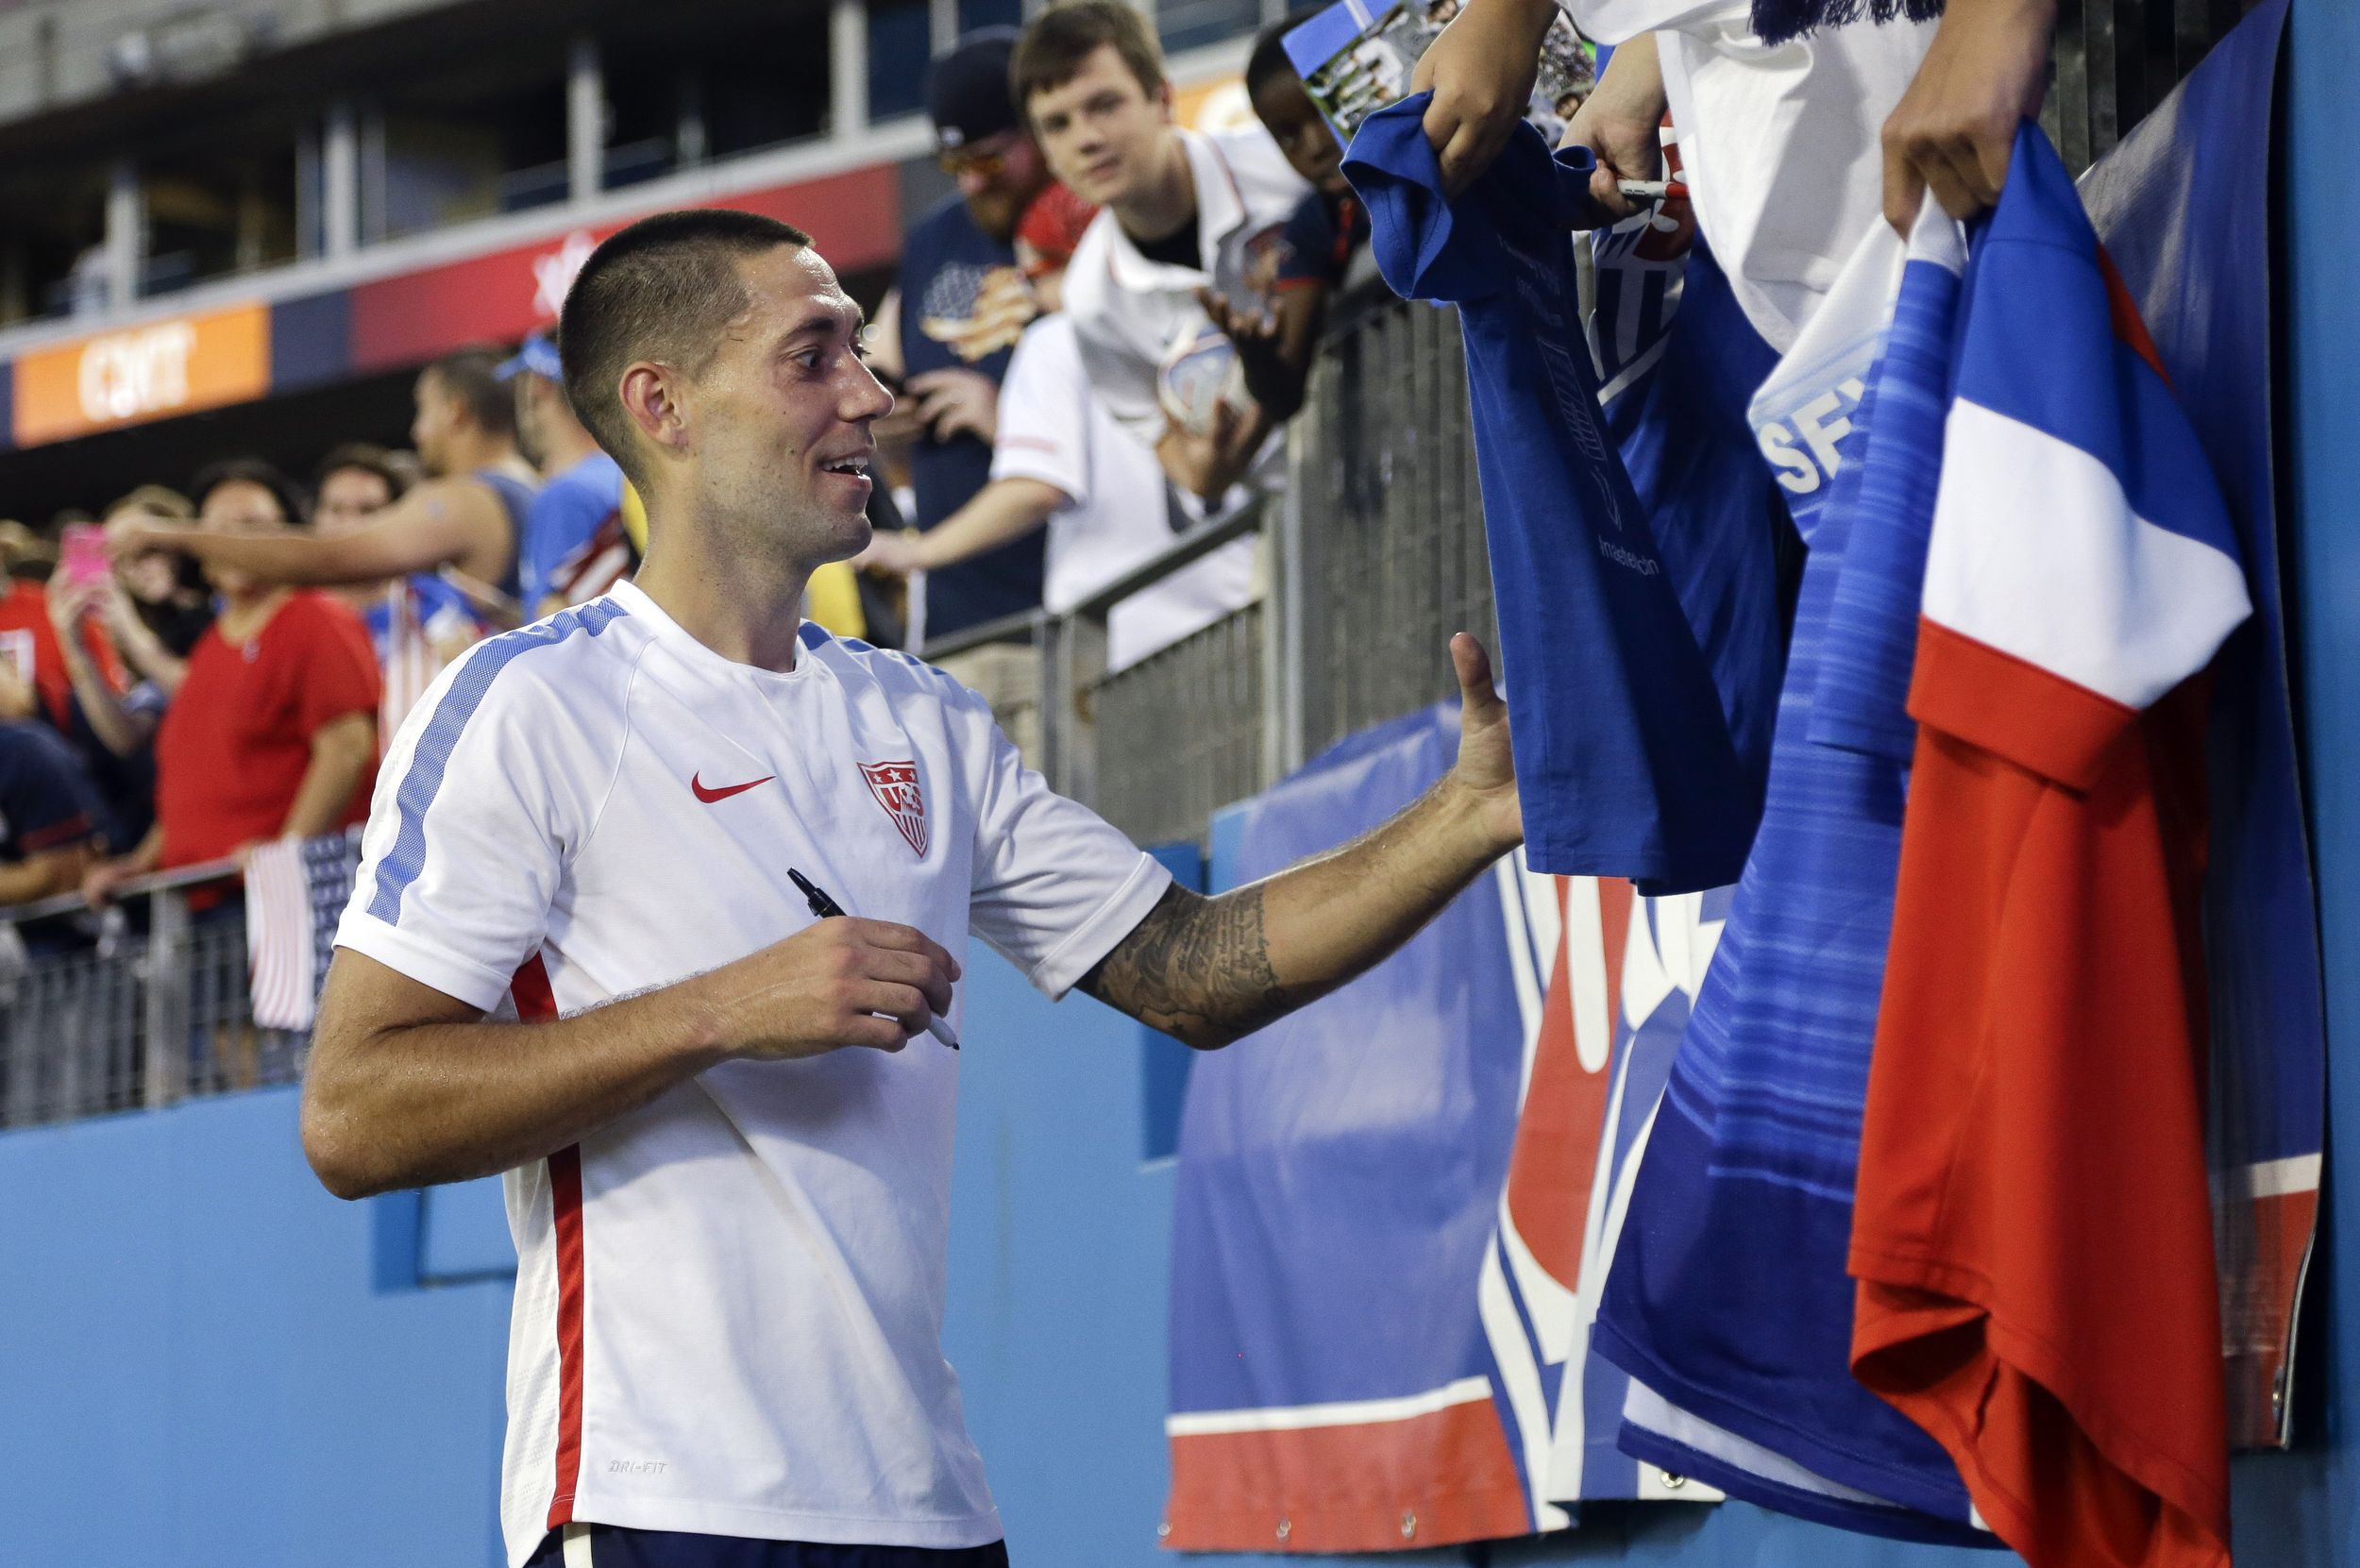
[1198, 968]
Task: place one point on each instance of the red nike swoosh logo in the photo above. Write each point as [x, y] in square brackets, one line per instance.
[696, 785]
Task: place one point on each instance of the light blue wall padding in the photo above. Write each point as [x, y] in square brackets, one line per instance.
[464, 1234]
[195, 1366]
[1060, 1252]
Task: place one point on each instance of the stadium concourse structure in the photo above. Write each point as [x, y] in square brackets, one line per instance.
[234, 226]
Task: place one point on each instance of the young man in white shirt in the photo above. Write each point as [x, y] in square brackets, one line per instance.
[1186, 214]
[728, 1180]
[1060, 461]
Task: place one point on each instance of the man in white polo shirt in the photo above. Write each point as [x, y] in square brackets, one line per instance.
[1181, 211]
[728, 1180]
[1059, 460]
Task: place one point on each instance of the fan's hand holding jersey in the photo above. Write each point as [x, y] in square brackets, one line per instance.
[729, 1303]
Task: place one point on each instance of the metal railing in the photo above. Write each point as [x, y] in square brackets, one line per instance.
[2113, 60]
[141, 1006]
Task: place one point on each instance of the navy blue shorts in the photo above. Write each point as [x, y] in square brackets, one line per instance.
[613, 1546]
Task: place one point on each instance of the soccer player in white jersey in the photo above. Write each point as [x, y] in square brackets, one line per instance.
[725, 1133]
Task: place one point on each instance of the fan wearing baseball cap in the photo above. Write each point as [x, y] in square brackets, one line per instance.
[574, 546]
[961, 302]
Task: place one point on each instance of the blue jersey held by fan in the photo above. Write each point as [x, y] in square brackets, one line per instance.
[1623, 757]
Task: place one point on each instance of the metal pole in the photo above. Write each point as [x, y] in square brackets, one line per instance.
[1283, 610]
[340, 181]
[942, 25]
[1056, 708]
[848, 69]
[585, 122]
[375, 219]
[127, 221]
[167, 998]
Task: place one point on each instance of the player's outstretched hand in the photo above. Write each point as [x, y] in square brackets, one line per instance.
[838, 982]
[1486, 768]
[1481, 70]
[1954, 130]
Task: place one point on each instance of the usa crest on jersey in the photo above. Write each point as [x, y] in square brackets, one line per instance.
[895, 786]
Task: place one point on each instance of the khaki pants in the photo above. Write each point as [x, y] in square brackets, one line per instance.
[1007, 676]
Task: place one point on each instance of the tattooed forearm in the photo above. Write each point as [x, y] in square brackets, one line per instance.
[1199, 969]
[1207, 971]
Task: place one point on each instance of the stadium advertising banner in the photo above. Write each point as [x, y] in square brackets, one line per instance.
[181, 364]
[854, 217]
[149, 371]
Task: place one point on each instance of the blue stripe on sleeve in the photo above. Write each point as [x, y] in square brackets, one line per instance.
[402, 864]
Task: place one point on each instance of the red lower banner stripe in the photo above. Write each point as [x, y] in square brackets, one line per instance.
[1426, 1480]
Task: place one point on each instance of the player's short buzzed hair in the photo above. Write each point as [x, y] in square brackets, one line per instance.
[663, 288]
[1056, 42]
[470, 377]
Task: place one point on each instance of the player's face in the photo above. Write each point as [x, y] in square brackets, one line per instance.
[998, 178]
[430, 429]
[347, 497]
[240, 505]
[1102, 131]
[779, 419]
[1294, 121]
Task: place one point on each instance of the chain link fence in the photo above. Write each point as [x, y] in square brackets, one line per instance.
[1180, 734]
[1385, 545]
[101, 1016]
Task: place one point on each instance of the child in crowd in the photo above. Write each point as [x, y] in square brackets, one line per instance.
[1324, 248]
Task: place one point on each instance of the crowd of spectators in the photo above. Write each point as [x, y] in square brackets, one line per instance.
[1098, 336]
[197, 670]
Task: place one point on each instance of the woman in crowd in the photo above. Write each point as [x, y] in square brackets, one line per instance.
[151, 612]
[272, 731]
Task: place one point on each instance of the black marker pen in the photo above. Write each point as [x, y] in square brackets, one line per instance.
[824, 908]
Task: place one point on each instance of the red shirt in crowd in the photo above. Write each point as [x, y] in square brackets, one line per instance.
[29, 639]
[234, 745]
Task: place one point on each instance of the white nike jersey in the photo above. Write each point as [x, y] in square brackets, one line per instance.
[729, 1304]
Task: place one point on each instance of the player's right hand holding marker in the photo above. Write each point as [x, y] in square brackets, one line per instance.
[834, 984]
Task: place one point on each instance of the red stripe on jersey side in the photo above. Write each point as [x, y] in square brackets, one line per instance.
[565, 1197]
[537, 1003]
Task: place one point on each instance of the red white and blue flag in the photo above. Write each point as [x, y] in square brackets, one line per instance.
[296, 892]
[2031, 1225]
